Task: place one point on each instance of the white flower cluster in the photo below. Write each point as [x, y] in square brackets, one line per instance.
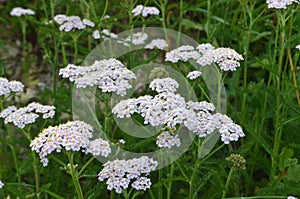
[291, 197]
[166, 140]
[18, 11]
[98, 147]
[206, 54]
[144, 11]
[164, 85]
[6, 87]
[298, 47]
[170, 109]
[26, 115]
[68, 23]
[121, 172]
[109, 75]
[72, 136]
[182, 53]
[194, 75]
[1, 184]
[157, 43]
[280, 4]
[225, 58]
[105, 34]
[138, 38]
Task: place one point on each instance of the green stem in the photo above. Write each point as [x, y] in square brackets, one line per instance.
[169, 187]
[278, 116]
[225, 190]
[85, 166]
[35, 164]
[75, 177]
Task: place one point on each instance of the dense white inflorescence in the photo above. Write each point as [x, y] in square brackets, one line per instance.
[108, 75]
[166, 140]
[194, 75]
[298, 46]
[99, 147]
[7, 87]
[203, 48]
[157, 43]
[280, 4]
[1, 184]
[144, 11]
[26, 115]
[120, 173]
[72, 136]
[68, 23]
[182, 53]
[170, 109]
[18, 11]
[225, 58]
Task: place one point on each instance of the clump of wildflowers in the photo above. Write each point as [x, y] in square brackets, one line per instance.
[182, 53]
[68, 23]
[108, 75]
[26, 115]
[120, 173]
[170, 109]
[194, 75]
[280, 4]
[72, 136]
[18, 11]
[157, 43]
[7, 87]
[144, 11]
[225, 58]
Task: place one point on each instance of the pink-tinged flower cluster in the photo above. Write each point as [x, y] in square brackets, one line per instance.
[71, 136]
[120, 173]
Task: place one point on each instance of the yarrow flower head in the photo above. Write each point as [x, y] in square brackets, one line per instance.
[160, 44]
[144, 11]
[138, 38]
[182, 53]
[280, 4]
[225, 58]
[68, 23]
[120, 173]
[166, 140]
[164, 85]
[108, 75]
[7, 87]
[26, 115]
[18, 11]
[72, 136]
[298, 46]
[194, 75]
[105, 34]
[170, 109]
